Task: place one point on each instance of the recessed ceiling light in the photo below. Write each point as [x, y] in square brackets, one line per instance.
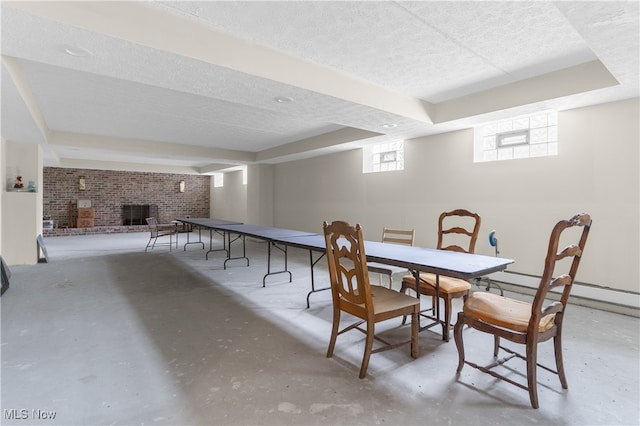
[390, 126]
[283, 99]
[76, 51]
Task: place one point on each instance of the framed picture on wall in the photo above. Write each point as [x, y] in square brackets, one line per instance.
[84, 204]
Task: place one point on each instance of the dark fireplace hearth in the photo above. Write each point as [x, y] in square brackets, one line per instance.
[135, 214]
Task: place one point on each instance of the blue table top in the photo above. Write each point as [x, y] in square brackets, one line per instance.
[449, 263]
[264, 232]
[206, 222]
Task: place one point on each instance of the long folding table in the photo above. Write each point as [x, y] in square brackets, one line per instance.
[416, 259]
[270, 234]
[229, 229]
[209, 224]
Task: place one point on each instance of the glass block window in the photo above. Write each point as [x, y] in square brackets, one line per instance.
[218, 180]
[534, 135]
[384, 157]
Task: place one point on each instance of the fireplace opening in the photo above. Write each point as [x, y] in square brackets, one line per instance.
[135, 214]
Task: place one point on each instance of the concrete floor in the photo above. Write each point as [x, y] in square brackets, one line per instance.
[107, 334]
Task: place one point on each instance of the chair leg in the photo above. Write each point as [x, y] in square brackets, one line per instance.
[152, 241]
[147, 247]
[403, 290]
[367, 349]
[557, 344]
[457, 336]
[496, 346]
[415, 321]
[532, 379]
[334, 332]
[447, 319]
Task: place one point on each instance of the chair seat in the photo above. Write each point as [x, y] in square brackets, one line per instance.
[503, 312]
[385, 300]
[447, 284]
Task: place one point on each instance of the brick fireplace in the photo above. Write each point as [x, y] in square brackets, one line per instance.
[110, 191]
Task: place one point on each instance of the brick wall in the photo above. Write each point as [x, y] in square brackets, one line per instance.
[109, 190]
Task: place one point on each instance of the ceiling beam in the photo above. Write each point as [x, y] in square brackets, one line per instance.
[145, 25]
[320, 142]
[557, 84]
[160, 150]
[13, 69]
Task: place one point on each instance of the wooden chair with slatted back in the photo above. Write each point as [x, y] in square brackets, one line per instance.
[392, 236]
[352, 293]
[529, 323]
[454, 227]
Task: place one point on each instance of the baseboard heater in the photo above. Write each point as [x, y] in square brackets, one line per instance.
[584, 290]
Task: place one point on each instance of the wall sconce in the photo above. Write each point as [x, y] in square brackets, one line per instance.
[81, 184]
[181, 189]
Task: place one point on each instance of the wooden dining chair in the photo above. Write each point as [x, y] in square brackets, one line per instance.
[392, 236]
[158, 231]
[528, 323]
[456, 228]
[352, 293]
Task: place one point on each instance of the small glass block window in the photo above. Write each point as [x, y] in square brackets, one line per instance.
[218, 180]
[521, 151]
[384, 157]
[534, 135]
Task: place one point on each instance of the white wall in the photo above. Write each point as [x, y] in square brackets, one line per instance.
[21, 218]
[3, 176]
[260, 194]
[596, 172]
[230, 201]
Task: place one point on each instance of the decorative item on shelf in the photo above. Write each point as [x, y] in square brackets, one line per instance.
[84, 204]
[32, 186]
[18, 185]
[81, 184]
[181, 188]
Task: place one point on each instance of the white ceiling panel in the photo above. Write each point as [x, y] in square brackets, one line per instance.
[124, 109]
[194, 84]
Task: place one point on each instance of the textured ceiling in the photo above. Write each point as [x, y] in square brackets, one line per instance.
[192, 86]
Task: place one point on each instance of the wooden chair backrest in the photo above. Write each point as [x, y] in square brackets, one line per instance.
[398, 236]
[348, 273]
[551, 277]
[470, 229]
